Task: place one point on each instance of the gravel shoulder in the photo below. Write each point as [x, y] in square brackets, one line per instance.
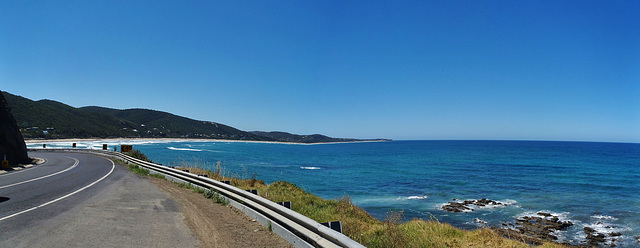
[216, 225]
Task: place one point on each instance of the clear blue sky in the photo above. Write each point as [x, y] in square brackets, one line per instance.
[532, 70]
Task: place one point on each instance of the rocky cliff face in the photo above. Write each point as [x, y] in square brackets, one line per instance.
[11, 142]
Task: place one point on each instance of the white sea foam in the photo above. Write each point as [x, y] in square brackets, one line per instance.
[417, 197]
[310, 168]
[604, 217]
[534, 214]
[498, 204]
[564, 216]
[184, 149]
[603, 224]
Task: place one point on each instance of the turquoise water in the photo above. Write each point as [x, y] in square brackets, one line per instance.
[590, 184]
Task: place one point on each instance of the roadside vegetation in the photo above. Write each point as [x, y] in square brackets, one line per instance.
[357, 223]
[360, 225]
[139, 155]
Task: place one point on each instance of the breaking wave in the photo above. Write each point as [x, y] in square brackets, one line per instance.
[184, 149]
[417, 197]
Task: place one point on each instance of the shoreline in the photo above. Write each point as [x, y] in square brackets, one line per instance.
[504, 233]
[168, 140]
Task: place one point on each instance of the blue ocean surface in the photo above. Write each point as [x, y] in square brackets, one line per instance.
[593, 185]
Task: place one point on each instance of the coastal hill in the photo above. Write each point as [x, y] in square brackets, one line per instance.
[314, 138]
[48, 119]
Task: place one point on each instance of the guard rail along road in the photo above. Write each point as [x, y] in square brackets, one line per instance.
[297, 229]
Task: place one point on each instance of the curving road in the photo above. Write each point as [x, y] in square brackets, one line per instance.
[60, 177]
[85, 200]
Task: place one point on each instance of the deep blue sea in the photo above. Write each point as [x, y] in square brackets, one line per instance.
[591, 184]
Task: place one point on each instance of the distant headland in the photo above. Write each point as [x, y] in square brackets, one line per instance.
[48, 119]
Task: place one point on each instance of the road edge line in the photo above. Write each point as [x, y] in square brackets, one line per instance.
[113, 166]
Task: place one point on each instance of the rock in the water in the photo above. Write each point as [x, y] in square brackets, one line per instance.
[480, 221]
[594, 238]
[541, 226]
[465, 206]
[11, 142]
[456, 207]
[544, 214]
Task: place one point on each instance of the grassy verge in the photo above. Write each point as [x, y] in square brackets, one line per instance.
[364, 228]
[138, 170]
[357, 223]
[215, 197]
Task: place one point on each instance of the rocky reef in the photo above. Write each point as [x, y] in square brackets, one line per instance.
[535, 229]
[540, 227]
[11, 141]
[467, 205]
[602, 234]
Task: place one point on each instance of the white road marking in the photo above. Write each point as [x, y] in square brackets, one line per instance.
[113, 166]
[42, 177]
[23, 170]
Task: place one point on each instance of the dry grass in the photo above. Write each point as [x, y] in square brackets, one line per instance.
[361, 226]
[220, 174]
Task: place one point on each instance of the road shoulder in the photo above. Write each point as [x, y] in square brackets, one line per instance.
[216, 225]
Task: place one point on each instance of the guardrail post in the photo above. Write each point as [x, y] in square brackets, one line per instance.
[44, 145]
[335, 225]
[253, 191]
[286, 204]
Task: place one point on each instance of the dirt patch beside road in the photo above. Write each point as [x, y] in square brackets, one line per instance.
[216, 225]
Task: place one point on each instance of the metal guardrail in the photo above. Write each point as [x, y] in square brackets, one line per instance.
[312, 232]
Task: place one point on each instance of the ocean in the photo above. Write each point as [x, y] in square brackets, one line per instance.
[594, 185]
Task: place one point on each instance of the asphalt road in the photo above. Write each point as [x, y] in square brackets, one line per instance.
[84, 200]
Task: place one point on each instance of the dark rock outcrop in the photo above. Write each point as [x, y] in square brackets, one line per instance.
[541, 226]
[600, 238]
[466, 206]
[535, 229]
[594, 238]
[11, 142]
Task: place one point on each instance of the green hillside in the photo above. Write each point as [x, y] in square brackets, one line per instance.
[48, 119]
[54, 120]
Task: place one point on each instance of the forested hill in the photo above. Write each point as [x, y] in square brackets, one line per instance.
[54, 120]
[314, 138]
